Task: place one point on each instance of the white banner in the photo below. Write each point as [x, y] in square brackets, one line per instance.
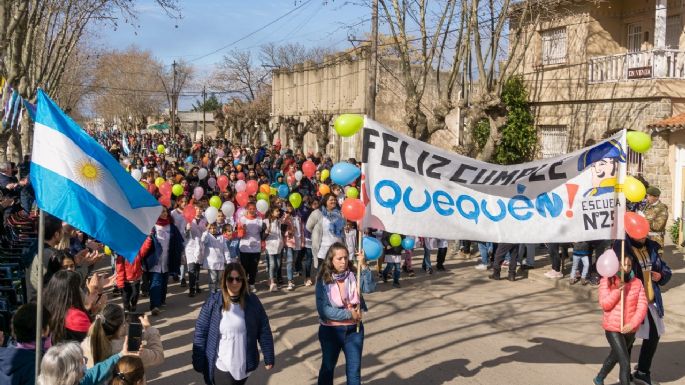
[414, 188]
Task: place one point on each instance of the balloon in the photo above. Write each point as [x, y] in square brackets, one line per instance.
[240, 212]
[265, 189]
[607, 264]
[395, 240]
[202, 173]
[373, 249]
[344, 173]
[127, 162]
[165, 200]
[309, 168]
[324, 189]
[251, 187]
[352, 192]
[639, 141]
[136, 174]
[298, 175]
[189, 213]
[108, 251]
[240, 186]
[375, 223]
[228, 208]
[408, 243]
[165, 189]
[634, 190]
[283, 191]
[242, 198]
[324, 175]
[295, 200]
[177, 189]
[215, 201]
[159, 181]
[262, 206]
[348, 124]
[222, 182]
[262, 197]
[198, 193]
[636, 225]
[142, 183]
[160, 149]
[236, 162]
[211, 213]
[211, 182]
[240, 176]
[189, 159]
[353, 210]
[290, 180]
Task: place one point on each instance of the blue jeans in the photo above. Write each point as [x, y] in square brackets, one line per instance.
[158, 288]
[426, 259]
[333, 339]
[586, 265]
[485, 249]
[274, 265]
[529, 250]
[289, 256]
[308, 262]
[395, 273]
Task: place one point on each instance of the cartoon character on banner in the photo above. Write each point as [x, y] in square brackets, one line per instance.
[603, 160]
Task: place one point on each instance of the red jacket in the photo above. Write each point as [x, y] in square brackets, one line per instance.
[634, 301]
[127, 272]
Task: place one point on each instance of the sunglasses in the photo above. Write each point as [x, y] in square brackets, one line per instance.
[234, 279]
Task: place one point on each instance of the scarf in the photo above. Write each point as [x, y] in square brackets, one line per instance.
[337, 222]
[235, 298]
[341, 298]
[163, 222]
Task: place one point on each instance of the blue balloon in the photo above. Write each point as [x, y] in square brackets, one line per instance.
[344, 173]
[283, 191]
[189, 159]
[236, 162]
[373, 249]
[408, 243]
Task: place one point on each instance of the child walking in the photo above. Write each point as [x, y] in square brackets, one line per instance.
[581, 254]
[216, 255]
[393, 258]
[194, 250]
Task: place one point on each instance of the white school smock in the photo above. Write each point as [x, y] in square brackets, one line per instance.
[232, 354]
[216, 251]
[251, 242]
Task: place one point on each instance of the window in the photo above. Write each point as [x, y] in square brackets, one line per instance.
[634, 37]
[554, 140]
[634, 163]
[673, 30]
[554, 46]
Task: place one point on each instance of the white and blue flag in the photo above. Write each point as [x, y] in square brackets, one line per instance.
[78, 181]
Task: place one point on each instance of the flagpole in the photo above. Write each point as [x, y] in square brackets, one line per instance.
[359, 270]
[623, 273]
[39, 290]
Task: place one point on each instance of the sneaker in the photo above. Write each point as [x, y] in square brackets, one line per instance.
[273, 287]
[430, 270]
[555, 275]
[385, 278]
[155, 311]
[291, 286]
[572, 281]
[183, 283]
[549, 273]
[505, 263]
[583, 281]
[527, 267]
[598, 381]
[411, 273]
[396, 284]
[642, 378]
[253, 288]
[191, 294]
[481, 267]
[308, 283]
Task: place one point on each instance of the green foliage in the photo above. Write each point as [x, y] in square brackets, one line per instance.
[518, 139]
[481, 133]
[210, 105]
[674, 230]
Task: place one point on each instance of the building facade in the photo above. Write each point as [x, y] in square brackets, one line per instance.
[601, 67]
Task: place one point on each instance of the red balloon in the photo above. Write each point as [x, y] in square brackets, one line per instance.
[353, 209]
[309, 168]
[189, 212]
[222, 182]
[242, 198]
[165, 189]
[636, 225]
[165, 200]
[251, 187]
[241, 176]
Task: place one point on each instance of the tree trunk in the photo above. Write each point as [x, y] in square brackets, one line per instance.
[14, 147]
[26, 133]
[322, 137]
[4, 141]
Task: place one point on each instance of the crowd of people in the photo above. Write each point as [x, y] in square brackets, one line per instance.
[229, 209]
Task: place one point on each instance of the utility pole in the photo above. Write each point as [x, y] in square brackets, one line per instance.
[373, 64]
[174, 98]
[204, 111]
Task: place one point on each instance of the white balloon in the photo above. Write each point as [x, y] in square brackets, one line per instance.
[127, 162]
[262, 206]
[240, 186]
[228, 208]
[210, 214]
[298, 175]
[136, 174]
[202, 173]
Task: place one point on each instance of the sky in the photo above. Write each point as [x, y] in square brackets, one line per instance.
[207, 26]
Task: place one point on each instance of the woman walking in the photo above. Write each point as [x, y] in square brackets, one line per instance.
[250, 228]
[327, 226]
[339, 305]
[230, 325]
[274, 244]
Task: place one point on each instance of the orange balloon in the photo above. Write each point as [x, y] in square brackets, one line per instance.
[265, 188]
[353, 209]
[324, 189]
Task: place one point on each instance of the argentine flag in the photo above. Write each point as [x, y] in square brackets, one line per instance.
[78, 181]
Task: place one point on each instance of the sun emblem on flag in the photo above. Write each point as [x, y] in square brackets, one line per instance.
[88, 172]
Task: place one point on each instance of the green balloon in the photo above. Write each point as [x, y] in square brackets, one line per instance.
[295, 200]
[638, 141]
[177, 189]
[352, 192]
[215, 201]
[395, 240]
[348, 124]
[262, 197]
[161, 149]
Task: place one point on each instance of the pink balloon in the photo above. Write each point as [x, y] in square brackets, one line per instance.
[375, 223]
[241, 176]
[211, 182]
[251, 187]
[240, 186]
[198, 193]
[222, 182]
[607, 264]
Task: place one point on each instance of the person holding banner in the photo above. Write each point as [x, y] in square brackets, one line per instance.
[339, 304]
[500, 253]
[622, 317]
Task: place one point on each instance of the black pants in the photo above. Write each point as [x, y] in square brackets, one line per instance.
[620, 353]
[145, 285]
[648, 349]
[193, 277]
[225, 378]
[553, 249]
[502, 250]
[442, 254]
[130, 295]
[250, 262]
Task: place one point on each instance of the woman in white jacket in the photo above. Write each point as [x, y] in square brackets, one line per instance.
[216, 254]
[194, 250]
[274, 243]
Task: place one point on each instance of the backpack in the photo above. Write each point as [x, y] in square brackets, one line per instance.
[368, 284]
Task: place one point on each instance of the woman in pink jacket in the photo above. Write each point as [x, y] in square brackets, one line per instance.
[635, 308]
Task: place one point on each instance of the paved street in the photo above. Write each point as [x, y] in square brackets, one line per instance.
[449, 328]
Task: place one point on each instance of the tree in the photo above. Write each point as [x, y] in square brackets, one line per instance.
[319, 125]
[210, 105]
[173, 80]
[238, 73]
[286, 56]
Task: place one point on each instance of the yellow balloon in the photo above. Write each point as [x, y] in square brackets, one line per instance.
[634, 190]
[108, 251]
[324, 175]
[159, 181]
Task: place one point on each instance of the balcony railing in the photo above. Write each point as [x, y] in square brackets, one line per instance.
[654, 64]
